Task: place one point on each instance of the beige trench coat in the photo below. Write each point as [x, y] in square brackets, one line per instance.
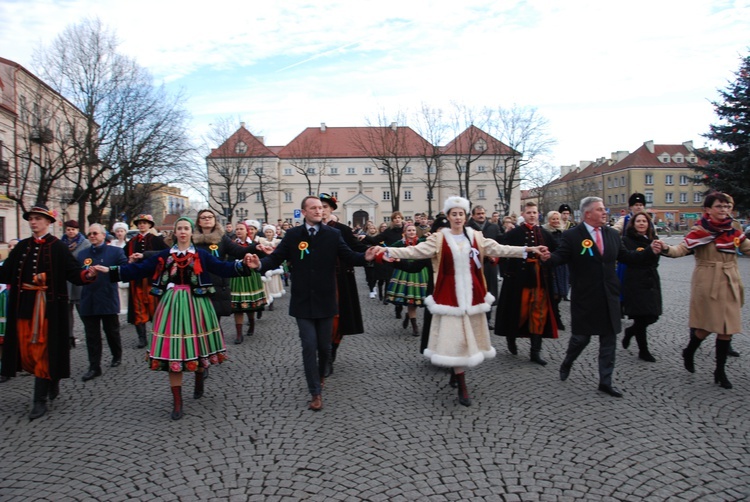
[716, 291]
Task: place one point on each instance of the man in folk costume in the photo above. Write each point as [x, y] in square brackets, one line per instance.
[37, 336]
[141, 304]
[348, 321]
[525, 306]
[459, 337]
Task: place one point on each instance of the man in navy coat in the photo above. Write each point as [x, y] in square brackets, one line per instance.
[311, 250]
[100, 302]
[591, 250]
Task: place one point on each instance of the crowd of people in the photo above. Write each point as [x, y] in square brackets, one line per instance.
[453, 269]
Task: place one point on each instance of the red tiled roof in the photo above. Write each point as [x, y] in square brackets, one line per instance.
[350, 142]
[642, 157]
[464, 143]
[255, 147]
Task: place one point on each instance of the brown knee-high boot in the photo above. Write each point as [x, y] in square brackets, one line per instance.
[198, 392]
[414, 329]
[177, 403]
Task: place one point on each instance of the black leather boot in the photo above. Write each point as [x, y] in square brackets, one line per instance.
[643, 352]
[198, 391]
[536, 350]
[722, 351]
[250, 324]
[54, 389]
[141, 330]
[628, 335]
[733, 352]
[689, 353]
[41, 390]
[238, 339]
[512, 347]
[463, 392]
[414, 328]
[177, 402]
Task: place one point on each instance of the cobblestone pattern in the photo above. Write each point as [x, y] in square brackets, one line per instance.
[391, 427]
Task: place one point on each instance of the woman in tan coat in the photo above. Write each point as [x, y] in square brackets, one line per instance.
[716, 294]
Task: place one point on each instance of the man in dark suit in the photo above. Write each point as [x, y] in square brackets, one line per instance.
[478, 221]
[312, 250]
[591, 250]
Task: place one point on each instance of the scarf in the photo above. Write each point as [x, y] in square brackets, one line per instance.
[726, 238]
[74, 242]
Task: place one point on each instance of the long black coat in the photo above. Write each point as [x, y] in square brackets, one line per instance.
[490, 231]
[350, 311]
[314, 271]
[518, 274]
[642, 286]
[56, 260]
[595, 288]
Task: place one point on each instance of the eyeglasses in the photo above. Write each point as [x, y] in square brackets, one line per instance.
[207, 217]
[92, 233]
[721, 206]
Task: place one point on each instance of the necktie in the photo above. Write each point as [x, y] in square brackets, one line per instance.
[312, 231]
[599, 241]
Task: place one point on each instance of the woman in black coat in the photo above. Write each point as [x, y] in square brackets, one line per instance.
[641, 286]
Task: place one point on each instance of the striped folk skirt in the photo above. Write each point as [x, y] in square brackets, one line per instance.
[186, 333]
[248, 293]
[407, 288]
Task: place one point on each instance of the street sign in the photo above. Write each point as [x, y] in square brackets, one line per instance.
[297, 214]
[690, 216]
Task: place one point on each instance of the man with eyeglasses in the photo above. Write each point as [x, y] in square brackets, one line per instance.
[100, 302]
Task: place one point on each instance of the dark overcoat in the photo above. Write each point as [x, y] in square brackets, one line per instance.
[350, 311]
[519, 274]
[641, 288]
[595, 288]
[101, 297]
[56, 260]
[313, 269]
[490, 231]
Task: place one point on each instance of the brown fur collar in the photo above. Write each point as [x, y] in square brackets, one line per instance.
[212, 238]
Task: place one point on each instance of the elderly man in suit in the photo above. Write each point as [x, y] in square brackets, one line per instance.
[591, 250]
[312, 251]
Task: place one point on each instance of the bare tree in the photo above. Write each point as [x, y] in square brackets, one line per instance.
[523, 133]
[470, 143]
[432, 128]
[134, 132]
[309, 158]
[391, 149]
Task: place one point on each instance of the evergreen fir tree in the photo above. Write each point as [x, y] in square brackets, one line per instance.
[728, 168]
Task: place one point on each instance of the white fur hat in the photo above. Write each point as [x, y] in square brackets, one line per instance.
[253, 223]
[269, 227]
[118, 225]
[456, 201]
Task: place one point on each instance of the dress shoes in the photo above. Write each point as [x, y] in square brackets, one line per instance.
[115, 363]
[317, 403]
[91, 374]
[608, 389]
[564, 371]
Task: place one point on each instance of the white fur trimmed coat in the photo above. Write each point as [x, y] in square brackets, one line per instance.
[459, 336]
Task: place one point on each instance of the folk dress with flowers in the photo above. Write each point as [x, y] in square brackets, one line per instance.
[408, 285]
[186, 331]
[248, 292]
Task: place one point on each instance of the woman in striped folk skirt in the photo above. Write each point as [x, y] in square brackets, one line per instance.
[186, 336]
[248, 293]
[408, 285]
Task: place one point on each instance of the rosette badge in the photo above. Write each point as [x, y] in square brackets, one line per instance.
[587, 245]
[303, 249]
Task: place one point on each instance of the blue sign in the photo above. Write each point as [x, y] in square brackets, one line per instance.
[297, 214]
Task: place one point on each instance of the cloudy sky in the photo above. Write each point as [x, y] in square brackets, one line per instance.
[607, 75]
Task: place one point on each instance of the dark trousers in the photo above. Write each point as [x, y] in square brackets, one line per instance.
[607, 350]
[315, 335]
[92, 326]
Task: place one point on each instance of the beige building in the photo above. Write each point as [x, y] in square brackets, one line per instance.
[663, 173]
[34, 147]
[368, 169]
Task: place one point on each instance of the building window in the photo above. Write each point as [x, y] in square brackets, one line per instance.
[310, 170]
[669, 179]
[241, 196]
[480, 193]
[649, 197]
[334, 170]
[609, 200]
[461, 169]
[622, 181]
[431, 170]
[386, 195]
[683, 179]
[258, 197]
[649, 179]
[609, 182]
[616, 183]
[368, 170]
[481, 169]
[335, 194]
[429, 195]
[668, 197]
[678, 159]
[240, 147]
[407, 170]
[287, 171]
[683, 197]
[697, 197]
[224, 196]
[407, 194]
[243, 171]
[259, 171]
[351, 170]
[616, 199]
[287, 196]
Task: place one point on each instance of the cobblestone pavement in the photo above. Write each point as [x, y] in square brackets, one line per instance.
[391, 427]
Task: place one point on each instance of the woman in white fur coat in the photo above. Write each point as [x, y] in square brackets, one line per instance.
[459, 336]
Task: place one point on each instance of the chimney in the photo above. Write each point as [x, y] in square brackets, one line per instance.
[649, 145]
[322, 127]
[619, 155]
[242, 125]
[688, 145]
[394, 126]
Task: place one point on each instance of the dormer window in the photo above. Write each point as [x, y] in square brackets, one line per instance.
[664, 158]
[692, 159]
[678, 159]
[240, 147]
[480, 145]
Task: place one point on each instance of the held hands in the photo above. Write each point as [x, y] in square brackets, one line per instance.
[135, 257]
[100, 268]
[658, 246]
[541, 251]
[251, 261]
[91, 272]
[372, 252]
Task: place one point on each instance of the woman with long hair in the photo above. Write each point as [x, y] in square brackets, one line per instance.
[716, 294]
[459, 335]
[248, 292]
[186, 336]
[641, 289]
